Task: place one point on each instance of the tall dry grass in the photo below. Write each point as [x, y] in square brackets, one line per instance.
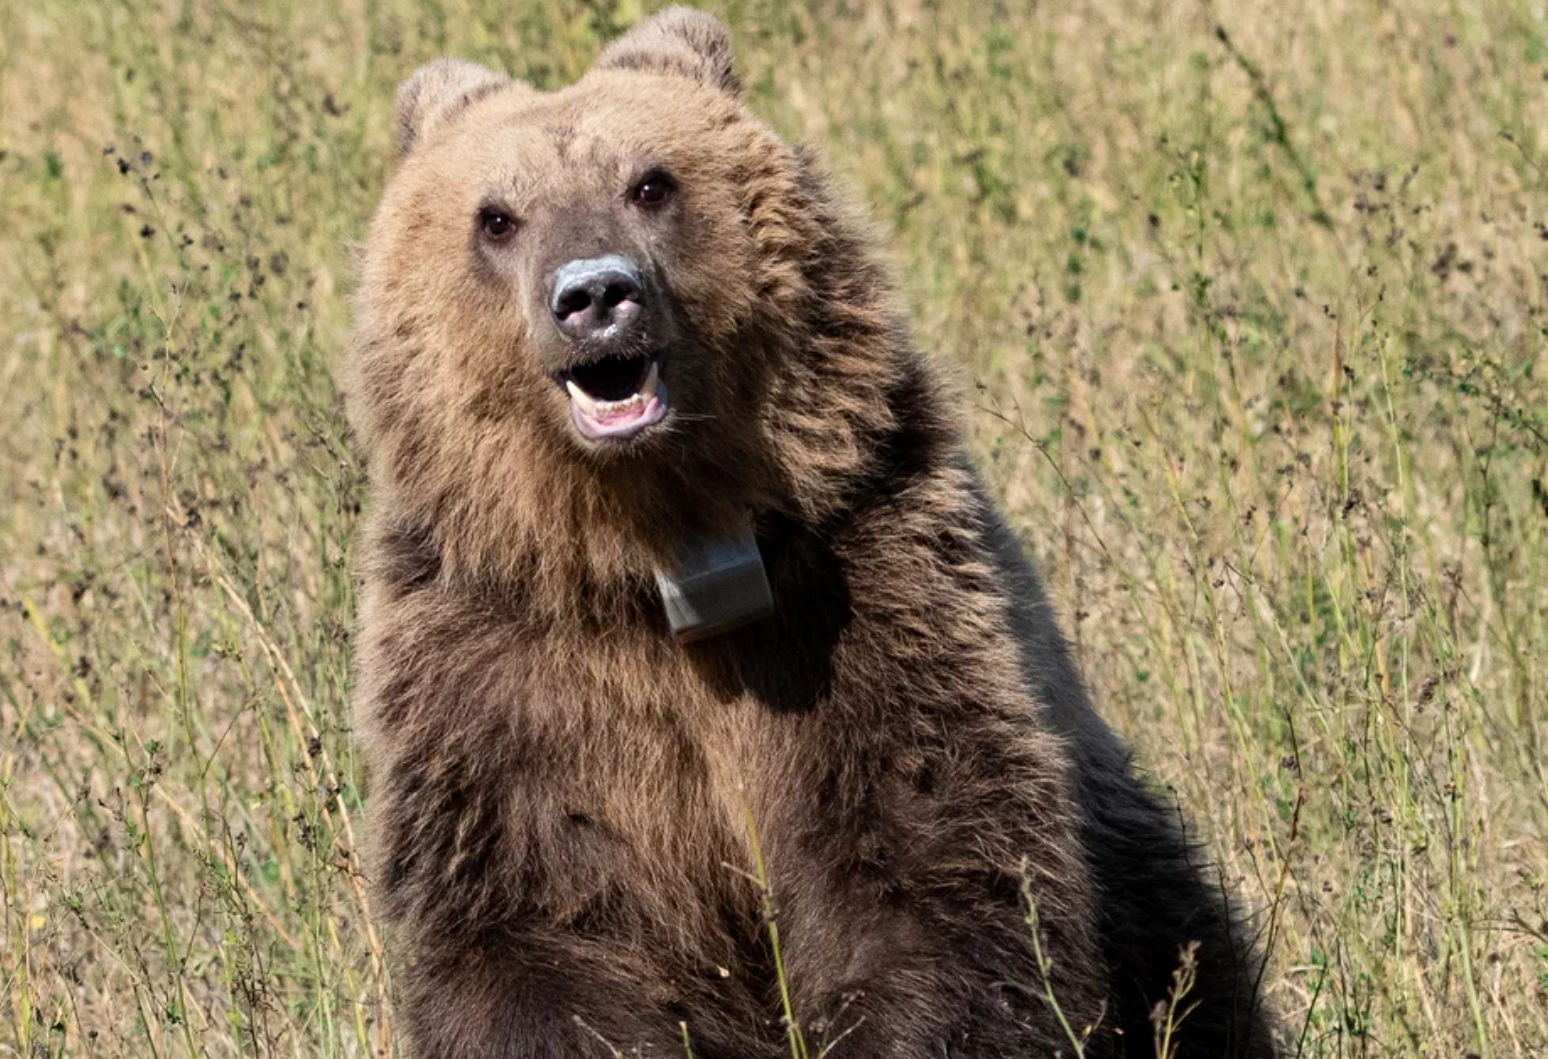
[1250, 299]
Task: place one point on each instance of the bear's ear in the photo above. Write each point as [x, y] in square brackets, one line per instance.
[677, 41]
[437, 91]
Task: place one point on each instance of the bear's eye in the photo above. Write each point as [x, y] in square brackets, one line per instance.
[496, 224]
[653, 190]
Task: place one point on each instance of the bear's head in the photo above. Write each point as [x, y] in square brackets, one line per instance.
[594, 321]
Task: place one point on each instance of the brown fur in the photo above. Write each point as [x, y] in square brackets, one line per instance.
[561, 796]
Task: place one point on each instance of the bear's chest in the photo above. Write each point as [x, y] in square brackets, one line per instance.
[633, 772]
[633, 721]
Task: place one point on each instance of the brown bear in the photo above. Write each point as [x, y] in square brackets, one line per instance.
[706, 699]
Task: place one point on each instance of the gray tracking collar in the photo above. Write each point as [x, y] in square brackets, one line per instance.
[718, 584]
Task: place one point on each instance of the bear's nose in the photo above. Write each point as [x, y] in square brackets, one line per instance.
[597, 297]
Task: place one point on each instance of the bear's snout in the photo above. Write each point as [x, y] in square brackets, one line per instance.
[598, 299]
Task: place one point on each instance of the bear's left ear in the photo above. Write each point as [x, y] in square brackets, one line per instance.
[677, 41]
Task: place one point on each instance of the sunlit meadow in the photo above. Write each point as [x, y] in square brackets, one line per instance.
[1250, 305]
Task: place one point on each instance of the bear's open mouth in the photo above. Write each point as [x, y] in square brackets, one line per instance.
[615, 397]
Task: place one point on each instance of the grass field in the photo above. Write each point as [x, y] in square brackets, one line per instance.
[1251, 303]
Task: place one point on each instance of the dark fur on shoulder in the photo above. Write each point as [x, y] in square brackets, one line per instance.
[567, 807]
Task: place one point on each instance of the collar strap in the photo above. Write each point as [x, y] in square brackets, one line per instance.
[716, 584]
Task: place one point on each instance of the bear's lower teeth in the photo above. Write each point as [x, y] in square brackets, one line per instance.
[607, 408]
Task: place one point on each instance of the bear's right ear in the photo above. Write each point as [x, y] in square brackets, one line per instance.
[677, 40]
[437, 91]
